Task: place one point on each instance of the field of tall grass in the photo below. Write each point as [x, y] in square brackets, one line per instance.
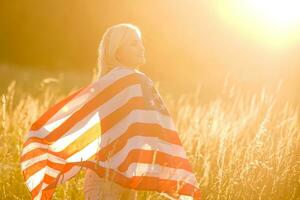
[241, 145]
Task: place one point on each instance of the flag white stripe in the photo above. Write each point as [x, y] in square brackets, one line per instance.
[63, 114]
[90, 92]
[36, 178]
[86, 152]
[53, 125]
[145, 143]
[46, 129]
[145, 169]
[38, 197]
[62, 179]
[185, 197]
[32, 146]
[142, 116]
[137, 142]
[155, 170]
[76, 131]
[27, 163]
[105, 109]
[115, 132]
[42, 132]
[137, 115]
[120, 100]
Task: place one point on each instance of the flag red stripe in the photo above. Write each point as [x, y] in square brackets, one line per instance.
[133, 182]
[133, 103]
[36, 190]
[87, 137]
[90, 106]
[141, 156]
[107, 123]
[141, 129]
[47, 194]
[52, 110]
[138, 129]
[34, 168]
[142, 182]
[97, 101]
[47, 179]
[39, 165]
[34, 153]
[154, 157]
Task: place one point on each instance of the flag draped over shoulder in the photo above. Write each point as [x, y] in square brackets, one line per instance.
[117, 126]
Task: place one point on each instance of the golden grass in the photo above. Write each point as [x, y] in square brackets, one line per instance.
[241, 145]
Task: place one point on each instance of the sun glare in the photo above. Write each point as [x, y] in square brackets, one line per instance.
[276, 22]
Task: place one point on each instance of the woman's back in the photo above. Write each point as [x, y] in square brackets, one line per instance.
[96, 187]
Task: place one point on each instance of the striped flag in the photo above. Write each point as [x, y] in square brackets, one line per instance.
[117, 126]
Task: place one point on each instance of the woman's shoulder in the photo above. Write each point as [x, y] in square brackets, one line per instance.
[120, 72]
[144, 78]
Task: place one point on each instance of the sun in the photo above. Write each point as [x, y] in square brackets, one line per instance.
[280, 14]
[276, 22]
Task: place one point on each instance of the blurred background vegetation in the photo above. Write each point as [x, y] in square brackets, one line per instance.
[188, 43]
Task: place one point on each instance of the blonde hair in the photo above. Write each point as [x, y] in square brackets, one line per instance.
[110, 42]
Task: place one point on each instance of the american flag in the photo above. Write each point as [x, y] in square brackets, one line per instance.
[117, 126]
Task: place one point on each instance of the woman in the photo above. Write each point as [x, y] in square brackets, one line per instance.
[120, 46]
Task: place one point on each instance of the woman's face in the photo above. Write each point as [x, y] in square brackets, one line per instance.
[131, 51]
